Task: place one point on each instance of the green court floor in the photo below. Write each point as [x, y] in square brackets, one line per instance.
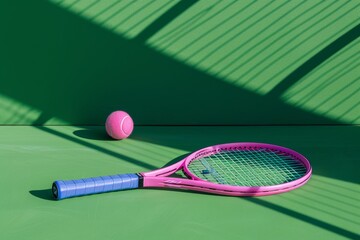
[31, 157]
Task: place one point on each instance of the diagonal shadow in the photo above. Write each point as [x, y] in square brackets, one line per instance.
[311, 220]
[46, 193]
[148, 76]
[97, 148]
[136, 65]
[165, 19]
[181, 75]
[315, 61]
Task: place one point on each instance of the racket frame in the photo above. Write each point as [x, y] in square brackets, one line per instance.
[160, 178]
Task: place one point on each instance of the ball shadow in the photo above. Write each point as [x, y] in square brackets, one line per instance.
[93, 134]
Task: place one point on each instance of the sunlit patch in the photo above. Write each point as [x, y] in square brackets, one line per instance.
[15, 112]
[329, 201]
[250, 44]
[333, 89]
[146, 150]
[127, 18]
[254, 45]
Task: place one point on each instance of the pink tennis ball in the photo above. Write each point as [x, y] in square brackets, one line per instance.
[119, 125]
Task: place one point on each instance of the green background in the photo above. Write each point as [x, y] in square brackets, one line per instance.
[180, 62]
[191, 74]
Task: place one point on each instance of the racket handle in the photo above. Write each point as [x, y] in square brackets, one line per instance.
[86, 186]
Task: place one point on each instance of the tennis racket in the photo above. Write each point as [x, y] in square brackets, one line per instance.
[235, 169]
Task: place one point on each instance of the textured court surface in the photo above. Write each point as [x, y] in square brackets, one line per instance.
[32, 157]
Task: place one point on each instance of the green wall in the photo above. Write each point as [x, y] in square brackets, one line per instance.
[180, 62]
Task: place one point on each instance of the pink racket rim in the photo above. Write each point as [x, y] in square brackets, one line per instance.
[250, 190]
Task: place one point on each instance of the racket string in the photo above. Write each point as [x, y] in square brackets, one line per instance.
[248, 178]
[250, 167]
[259, 171]
[283, 168]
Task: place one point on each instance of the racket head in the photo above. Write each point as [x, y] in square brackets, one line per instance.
[247, 168]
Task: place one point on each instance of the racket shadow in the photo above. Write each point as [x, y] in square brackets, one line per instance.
[183, 191]
[175, 160]
[45, 194]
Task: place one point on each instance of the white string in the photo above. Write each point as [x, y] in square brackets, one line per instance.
[260, 167]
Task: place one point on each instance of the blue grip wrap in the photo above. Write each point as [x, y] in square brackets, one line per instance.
[86, 186]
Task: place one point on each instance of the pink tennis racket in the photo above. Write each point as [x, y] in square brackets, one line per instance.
[234, 169]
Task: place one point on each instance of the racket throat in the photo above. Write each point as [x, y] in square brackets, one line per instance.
[141, 180]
